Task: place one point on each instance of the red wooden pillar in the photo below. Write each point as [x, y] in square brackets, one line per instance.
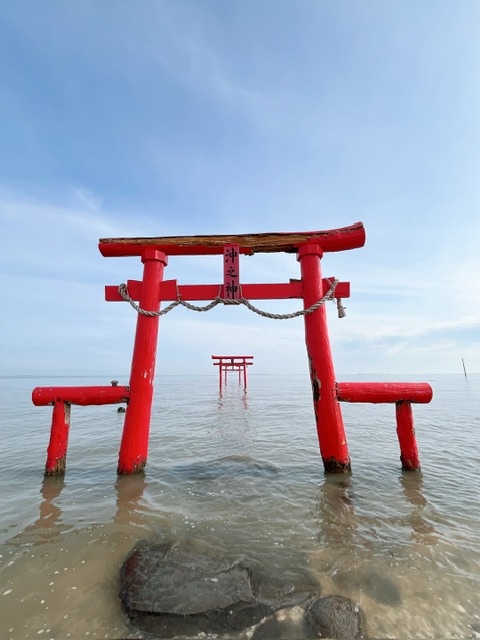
[134, 446]
[220, 375]
[406, 436]
[330, 429]
[57, 447]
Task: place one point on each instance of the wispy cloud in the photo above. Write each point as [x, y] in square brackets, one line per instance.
[88, 199]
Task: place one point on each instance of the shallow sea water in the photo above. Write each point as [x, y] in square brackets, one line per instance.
[241, 473]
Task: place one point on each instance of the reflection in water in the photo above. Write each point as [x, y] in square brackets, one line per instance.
[364, 548]
[422, 530]
[223, 399]
[336, 511]
[130, 510]
[351, 541]
[390, 555]
[61, 580]
[49, 513]
[129, 493]
[341, 524]
[48, 525]
[232, 429]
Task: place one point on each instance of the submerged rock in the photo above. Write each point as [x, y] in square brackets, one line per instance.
[381, 588]
[183, 589]
[169, 591]
[378, 587]
[336, 617]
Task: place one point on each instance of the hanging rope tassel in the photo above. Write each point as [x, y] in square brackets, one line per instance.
[341, 309]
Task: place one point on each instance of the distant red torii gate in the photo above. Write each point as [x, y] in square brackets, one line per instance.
[152, 290]
[232, 363]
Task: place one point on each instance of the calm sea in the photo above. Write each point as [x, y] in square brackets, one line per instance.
[242, 472]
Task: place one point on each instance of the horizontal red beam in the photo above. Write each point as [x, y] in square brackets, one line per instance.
[233, 359]
[230, 357]
[232, 364]
[232, 367]
[376, 392]
[43, 396]
[169, 291]
[341, 239]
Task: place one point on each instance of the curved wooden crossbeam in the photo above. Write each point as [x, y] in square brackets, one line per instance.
[344, 238]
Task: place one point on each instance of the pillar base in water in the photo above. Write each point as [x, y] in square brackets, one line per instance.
[59, 467]
[335, 466]
[136, 467]
[409, 464]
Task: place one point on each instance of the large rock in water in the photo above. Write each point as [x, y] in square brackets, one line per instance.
[172, 591]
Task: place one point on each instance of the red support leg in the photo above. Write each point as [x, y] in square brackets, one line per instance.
[57, 448]
[331, 433]
[134, 446]
[406, 436]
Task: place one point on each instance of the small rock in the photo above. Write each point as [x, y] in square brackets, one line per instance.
[336, 617]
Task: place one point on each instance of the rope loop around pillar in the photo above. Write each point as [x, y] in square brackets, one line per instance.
[123, 291]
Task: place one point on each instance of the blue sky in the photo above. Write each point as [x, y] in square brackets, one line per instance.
[153, 118]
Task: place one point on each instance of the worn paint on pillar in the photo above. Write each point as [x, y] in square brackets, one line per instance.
[57, 448]
[134, 446]
[328, 416]
[406, 437]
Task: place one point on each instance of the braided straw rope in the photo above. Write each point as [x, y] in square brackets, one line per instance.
[123, 291]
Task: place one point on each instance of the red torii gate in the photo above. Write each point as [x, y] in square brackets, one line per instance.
[152, 290]
[232, 363]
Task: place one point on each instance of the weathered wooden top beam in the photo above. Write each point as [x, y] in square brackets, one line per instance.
[352, 237]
